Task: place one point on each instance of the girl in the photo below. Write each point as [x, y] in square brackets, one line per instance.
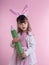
[27, 41]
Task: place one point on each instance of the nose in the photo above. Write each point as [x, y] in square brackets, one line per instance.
[23, 24]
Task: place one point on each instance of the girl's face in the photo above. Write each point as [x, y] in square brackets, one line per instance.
[23, 26]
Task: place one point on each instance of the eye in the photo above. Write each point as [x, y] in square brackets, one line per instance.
[20, 23]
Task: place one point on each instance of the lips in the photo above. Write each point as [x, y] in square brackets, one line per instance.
[23, 27]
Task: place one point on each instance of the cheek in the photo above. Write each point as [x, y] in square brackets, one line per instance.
[26, 25]
[20, 26]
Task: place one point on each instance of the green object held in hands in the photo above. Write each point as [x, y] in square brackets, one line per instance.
[17, 44]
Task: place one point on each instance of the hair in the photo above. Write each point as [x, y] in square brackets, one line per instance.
[22, 19]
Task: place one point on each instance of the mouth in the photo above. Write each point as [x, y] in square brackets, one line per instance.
[23, 27]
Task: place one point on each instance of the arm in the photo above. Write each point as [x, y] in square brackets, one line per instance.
[31, 47]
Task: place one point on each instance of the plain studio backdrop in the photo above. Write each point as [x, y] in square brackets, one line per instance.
[38, 15]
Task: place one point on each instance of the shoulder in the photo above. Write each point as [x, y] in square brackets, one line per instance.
[31, 35]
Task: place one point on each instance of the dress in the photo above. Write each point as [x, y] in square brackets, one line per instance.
[27, 60]
[29, 49]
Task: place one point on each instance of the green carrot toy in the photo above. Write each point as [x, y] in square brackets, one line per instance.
[17, 44]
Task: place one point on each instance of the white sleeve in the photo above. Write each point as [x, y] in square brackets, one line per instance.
[12, 45]
[32, 46]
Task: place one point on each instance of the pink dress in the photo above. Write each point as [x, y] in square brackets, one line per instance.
[27, 60]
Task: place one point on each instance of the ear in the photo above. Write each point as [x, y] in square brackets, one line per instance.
[15, 13]
[25, 10]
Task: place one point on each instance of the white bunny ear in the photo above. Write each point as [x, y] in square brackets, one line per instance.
[25, 10]
[15, 13]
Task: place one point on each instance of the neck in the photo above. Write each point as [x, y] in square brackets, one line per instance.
[25, 31]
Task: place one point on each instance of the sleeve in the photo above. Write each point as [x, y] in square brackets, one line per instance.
[31, 46]
[12, 45]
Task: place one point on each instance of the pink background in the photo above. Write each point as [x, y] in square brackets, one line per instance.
[39, 19]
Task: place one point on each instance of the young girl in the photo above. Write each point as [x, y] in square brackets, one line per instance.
[27, 41]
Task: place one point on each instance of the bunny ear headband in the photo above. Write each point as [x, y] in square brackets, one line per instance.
[24, 11]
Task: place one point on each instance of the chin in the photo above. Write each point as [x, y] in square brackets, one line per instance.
[23, 30]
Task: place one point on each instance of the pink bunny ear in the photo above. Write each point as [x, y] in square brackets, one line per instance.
[15, 13]
[25, 9]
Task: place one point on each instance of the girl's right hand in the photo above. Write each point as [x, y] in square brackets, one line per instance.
[15, 40]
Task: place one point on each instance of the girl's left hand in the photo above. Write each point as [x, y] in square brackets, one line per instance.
[23, 55]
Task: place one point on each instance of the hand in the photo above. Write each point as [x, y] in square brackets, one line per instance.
[15, 40]
[23, 55]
